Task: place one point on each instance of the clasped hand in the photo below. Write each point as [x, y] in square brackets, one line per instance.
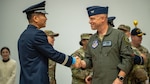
[79, 63]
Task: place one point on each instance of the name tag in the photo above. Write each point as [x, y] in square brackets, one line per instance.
[107, 43]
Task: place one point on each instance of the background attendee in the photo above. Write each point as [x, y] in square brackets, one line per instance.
[34, 49]
[8, 67]
[52, 65]
[138, 59]
[140, 73]
[126, 29]
[108, 53]
[111, 21]
[79, 75]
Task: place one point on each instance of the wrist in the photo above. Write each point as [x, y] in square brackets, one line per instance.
[73, 60]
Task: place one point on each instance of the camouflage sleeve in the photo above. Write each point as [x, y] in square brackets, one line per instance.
[79, 73]
[145, 51]
[148, 64]
[77, 53]
[52, 69]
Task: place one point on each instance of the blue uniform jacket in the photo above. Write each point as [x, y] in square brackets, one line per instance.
[34, 51]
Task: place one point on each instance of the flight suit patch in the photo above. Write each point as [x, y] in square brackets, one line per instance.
[95, 44]
[107, 43]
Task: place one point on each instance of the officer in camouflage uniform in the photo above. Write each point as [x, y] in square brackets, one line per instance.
[138, 59]
[140, 73]
[125, 29]
[79, 75]
[52, 65]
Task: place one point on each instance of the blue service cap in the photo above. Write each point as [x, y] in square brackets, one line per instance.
[40, 7]
[137, 31]
[110, 21]
[94, 10]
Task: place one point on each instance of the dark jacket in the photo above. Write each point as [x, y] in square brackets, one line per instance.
[34, 51]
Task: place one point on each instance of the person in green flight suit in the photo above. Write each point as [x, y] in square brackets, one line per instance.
[109, 52]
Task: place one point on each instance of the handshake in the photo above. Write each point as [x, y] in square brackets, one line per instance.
[79, 63]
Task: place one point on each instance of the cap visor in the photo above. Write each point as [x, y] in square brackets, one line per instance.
[41, 11]
[56, 34]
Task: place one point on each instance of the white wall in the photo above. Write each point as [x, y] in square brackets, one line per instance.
[70, 19]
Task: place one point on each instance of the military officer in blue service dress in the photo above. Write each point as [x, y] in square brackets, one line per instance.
[34, 49]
